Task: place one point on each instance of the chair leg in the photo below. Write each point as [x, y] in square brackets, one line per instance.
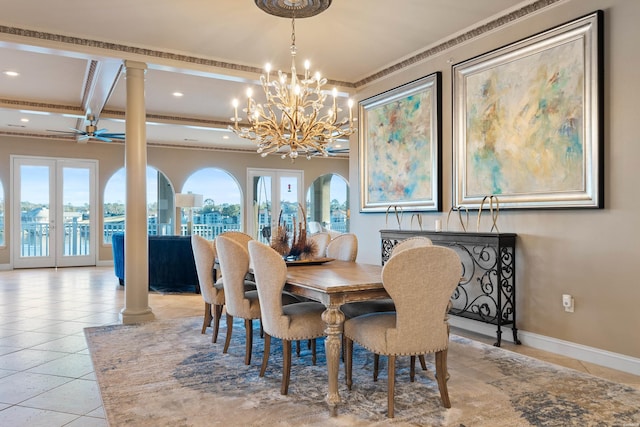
[227, 340]
[376, 365]
[423, 363]
[391, 385]
[312, 343]
[217, 314]
[207, 317]
[298, 348]
[265, 356]
[412, 371]
[348, 361]
[286, 366]
[248, 326]
[441, 377]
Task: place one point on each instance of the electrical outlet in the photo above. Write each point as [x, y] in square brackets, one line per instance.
[567, 303]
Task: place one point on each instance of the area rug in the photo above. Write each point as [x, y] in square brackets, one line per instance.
[165, 373]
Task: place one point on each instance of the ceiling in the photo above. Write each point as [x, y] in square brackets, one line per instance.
[69, 56]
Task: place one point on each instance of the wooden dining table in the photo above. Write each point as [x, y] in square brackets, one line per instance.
[335, 283]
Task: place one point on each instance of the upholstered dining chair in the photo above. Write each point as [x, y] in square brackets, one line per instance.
[204, 254]
[292, 322]
[321, 241]
[420, 281]
[343, 247]
[359, 308]
[234, 263]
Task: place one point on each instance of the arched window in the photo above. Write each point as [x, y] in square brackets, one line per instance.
[328, 204]
[222, 202]
[2, 240]
[160, 211]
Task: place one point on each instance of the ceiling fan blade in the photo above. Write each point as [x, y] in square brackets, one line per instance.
[83, 137]
[61, 131]
[68, 132]
[113, 135]
[102, 138]
[100, 131]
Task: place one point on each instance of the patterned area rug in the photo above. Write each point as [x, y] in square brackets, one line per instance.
[165, 373]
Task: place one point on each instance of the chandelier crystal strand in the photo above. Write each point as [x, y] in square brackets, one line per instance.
[292, 115]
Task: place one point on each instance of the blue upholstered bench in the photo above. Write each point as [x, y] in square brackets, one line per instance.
[171, 264]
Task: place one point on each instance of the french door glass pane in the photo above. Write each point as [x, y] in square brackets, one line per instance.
[34, 207]
[262, 208]
[289, 201]
[75, 211]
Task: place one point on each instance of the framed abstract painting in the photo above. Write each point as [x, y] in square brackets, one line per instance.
[527, 121]
[400, 143]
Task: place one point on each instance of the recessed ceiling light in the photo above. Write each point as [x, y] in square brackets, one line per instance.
[11, 73]
[225, 137]
[178, 94]
[24, 120]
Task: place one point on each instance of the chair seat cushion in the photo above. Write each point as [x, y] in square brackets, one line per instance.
[370, 331]
[254, 304]
[355, 309]
[248, 285]
[305, 321]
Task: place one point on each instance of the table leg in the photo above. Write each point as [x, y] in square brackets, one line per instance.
[334, 318]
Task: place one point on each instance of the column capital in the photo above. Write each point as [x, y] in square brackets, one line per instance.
[135, 64]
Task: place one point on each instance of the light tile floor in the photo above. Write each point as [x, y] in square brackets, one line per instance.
[46, 374]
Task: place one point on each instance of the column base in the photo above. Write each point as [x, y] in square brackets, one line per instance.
[129, 317]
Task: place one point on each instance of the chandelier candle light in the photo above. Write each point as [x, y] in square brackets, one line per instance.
[294, 119]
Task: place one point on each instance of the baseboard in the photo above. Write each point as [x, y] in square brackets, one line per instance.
[6, 267]
[107, 263]
[585, 353]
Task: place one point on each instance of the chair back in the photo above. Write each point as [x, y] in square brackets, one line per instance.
[238, 237]
[411, 242]
[421, 281]
[343, 247]
[270, 272]
[234, 264]
[321, 241]
[204, 255]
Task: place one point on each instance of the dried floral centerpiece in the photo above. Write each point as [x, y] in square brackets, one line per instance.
[300, 248]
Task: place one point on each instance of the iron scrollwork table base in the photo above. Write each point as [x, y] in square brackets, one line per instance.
[487, 290]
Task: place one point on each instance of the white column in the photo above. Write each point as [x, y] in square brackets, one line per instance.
[136, 274]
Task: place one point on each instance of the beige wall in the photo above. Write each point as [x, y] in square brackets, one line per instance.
[591, 254]
[177, 164]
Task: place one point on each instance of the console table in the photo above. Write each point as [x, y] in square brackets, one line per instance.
[487, 291]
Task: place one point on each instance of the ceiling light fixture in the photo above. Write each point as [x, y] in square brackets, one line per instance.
[294, 119]
[11, 73]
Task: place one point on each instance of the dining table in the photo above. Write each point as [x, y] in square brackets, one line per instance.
[334, 283]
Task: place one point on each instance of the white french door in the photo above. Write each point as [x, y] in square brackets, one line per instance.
[53, 212]
[270, 192]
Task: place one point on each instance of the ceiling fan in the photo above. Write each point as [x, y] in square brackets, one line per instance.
[92, 132]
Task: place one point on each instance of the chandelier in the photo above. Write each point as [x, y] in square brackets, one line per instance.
[294, 119]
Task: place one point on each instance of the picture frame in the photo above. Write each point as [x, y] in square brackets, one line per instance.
[528, 121]
[400, 148]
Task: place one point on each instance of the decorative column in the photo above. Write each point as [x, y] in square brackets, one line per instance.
[136, 247]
